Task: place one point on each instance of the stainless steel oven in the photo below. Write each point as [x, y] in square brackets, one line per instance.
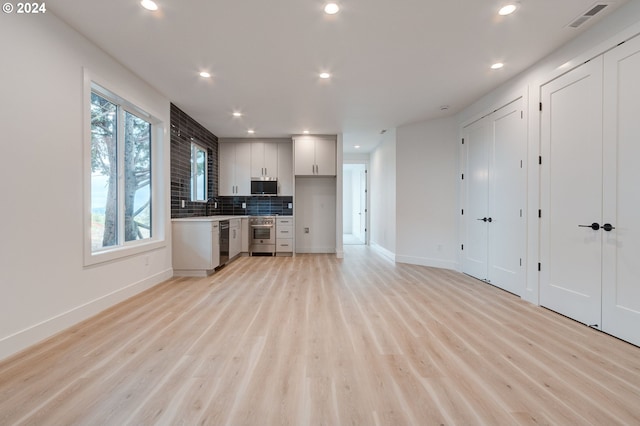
[262, 235]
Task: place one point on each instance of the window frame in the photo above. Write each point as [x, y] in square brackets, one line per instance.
[196, 146]
[122, 248]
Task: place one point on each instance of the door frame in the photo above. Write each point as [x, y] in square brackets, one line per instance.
[367, 213]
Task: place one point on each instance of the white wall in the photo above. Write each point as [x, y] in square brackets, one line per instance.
[383, 194]
[44, 287]
[426, 193]
[622, 24]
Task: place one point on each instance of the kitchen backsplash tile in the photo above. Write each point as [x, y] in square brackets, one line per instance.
[262, 206]
[185, 130]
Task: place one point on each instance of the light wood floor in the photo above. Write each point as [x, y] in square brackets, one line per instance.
[320, 341]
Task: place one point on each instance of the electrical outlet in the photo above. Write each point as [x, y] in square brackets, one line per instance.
[182, 203]
[215, 205]
[290, 205]
[244, 205]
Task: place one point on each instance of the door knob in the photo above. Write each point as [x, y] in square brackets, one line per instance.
[489, 220]
[608, 227]
[595, 226]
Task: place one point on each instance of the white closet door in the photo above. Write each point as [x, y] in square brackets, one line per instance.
[506, 199]
[571, 194]
[621, 256]
[477, 139]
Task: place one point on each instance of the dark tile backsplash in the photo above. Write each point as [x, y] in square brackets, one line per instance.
[184, 130]
[255, 206]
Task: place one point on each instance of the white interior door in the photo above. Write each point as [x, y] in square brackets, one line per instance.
[571, 194]
[621, 246]
[477, 139]
[363, 204]
[507, 199]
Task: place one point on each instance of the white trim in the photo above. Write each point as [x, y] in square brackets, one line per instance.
[158, 237]
[599, 49]
[383, 251]
[426, 261]
[316, 250]
[20, 340]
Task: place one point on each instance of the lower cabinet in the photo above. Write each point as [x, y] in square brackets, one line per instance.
[244, 235]
[235, 238]
[284, 235]
[196, 247]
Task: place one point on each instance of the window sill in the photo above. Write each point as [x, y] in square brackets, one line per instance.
[121, 252]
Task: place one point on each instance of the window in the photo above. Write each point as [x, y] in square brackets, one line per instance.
[198, 173]
[121, 173]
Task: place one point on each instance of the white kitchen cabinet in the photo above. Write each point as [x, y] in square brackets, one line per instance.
[285, 169]
[195, 247]
[264, 159]
[284, 235]
[314, 156]
[244, 235]
[234, 168]
[235, 238]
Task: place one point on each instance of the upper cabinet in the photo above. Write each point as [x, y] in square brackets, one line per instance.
[264, 159]
[234, 168]
[314, 156]
[241, 160]
[285, 169]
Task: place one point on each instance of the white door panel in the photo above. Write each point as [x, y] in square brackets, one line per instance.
[506, 199]
[621, 248]
[477, 139]
[571, 188]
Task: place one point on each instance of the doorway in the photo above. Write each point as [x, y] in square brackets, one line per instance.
[354, 204]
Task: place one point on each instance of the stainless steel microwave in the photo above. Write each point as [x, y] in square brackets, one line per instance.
[264, 186]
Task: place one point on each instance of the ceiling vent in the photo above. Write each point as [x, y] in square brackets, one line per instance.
[593, 11]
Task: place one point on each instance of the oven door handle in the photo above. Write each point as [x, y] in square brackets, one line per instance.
[262, 226]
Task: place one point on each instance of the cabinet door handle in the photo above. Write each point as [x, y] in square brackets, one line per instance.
[595, 226]
[608, 227]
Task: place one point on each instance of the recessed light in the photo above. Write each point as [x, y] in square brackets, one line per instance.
[497, 66]
[251, 131]
[325, 75]
[237, 114]
[507, 9]
[356, 146]
[331, 8]
[205, 74]
[306, 132]
[149, 5]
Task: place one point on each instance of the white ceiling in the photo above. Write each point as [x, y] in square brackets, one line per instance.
[393, 62]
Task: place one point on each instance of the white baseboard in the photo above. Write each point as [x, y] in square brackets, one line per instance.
[21, 340]
[383, 251]
[425, 261]
[316, 250]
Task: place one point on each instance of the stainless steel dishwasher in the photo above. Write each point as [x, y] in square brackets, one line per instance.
[224, 242]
